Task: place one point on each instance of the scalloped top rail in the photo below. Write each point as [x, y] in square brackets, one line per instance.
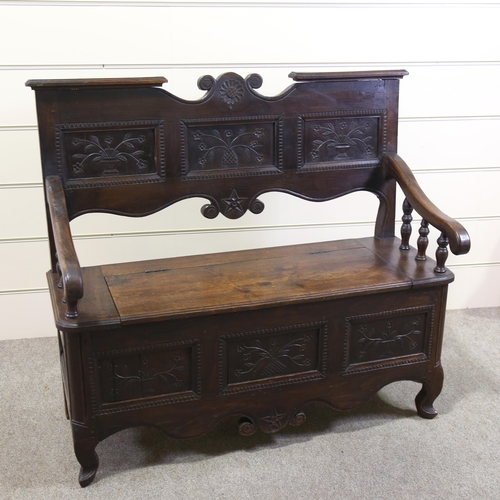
[206, 82]
[127, 146]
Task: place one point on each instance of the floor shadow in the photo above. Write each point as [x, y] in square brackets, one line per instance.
[148, 446]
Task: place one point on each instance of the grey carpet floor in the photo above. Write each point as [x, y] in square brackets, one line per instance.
[382, 450]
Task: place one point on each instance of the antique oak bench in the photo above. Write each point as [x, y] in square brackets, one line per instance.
[183, 343]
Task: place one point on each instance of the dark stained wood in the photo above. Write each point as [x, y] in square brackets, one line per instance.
[406, 226]
[71, 279]
[441, 254]
[423, 240]
[227, 257]
[96, 309]
[421, 273]
[293, 275]
[347, 75]
[77, 83]
[183, 343]
[395, 167]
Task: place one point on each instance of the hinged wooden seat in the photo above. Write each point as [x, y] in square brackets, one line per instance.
[184, 287]
[182, 343]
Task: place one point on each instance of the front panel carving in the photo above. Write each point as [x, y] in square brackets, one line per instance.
[387, 339]
[103, 154]
[169, 370]
[287, 355]
[242, 147]
[341, 139]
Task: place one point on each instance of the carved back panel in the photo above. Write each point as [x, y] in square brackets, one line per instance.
[127, 146]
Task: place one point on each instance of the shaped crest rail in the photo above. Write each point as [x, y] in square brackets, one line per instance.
[229, 147]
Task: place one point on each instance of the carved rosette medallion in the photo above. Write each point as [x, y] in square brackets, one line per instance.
[231, 91]
[230, 88]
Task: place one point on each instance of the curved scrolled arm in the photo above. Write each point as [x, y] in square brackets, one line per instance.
[393, 166]
[71, 272]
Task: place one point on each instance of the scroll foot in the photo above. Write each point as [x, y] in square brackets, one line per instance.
[87, 475]
[429, 392]
[89, 462]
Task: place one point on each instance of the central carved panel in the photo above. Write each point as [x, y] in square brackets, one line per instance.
[230, 149]
[297, 353]
[272, 356]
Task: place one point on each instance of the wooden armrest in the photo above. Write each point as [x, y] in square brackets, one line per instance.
[393, 166]
[72, 281]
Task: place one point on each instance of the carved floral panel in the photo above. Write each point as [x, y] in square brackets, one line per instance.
[231, 149]
[269, 357]
[107, 154]
[335, 139]
[144, 375]
[373, 339]
[272, 356]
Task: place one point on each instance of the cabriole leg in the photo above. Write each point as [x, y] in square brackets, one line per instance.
[89, 461]
[431, 388]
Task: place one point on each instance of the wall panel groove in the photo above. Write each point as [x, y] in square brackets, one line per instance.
[356, 4]
[221, 23]
[229, 66]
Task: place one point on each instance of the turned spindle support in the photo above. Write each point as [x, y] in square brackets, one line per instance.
[441, 254]
[406, 226]
[423, 240]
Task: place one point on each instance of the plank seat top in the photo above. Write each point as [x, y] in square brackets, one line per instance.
[183, 287]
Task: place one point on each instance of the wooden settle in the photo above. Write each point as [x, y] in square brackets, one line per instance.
[183, 343]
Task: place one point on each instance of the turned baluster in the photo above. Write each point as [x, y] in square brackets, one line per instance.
[441, 254]
[406, 226]
[422, 241]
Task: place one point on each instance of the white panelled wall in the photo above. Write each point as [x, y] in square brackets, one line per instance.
[449, 122]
